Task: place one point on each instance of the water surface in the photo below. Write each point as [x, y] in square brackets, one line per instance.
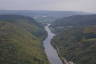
[49, 49]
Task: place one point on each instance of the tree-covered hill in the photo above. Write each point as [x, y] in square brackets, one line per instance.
[76, 20]
[76, 45]
[74, 41]
[21, 40]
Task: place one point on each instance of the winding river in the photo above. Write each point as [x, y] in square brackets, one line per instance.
[49, 49]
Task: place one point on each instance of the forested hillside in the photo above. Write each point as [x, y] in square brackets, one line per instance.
[74, 41]
[21, 41]
[74, 21]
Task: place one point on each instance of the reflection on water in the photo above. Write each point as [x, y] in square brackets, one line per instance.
[49, 49]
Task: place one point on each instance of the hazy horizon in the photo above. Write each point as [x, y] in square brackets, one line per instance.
[50, 5]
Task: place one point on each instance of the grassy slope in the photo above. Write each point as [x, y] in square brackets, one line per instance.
[21, 41]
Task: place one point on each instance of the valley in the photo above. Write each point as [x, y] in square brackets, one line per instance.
[45, 38]
[47, 31]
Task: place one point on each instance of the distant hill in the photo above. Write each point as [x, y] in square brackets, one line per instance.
[56, 14]
[21, 41]
[74, 21]
[42, 16]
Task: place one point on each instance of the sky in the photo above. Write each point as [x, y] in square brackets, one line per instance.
[63, 5]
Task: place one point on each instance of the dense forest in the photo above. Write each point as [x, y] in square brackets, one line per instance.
[21, 41]
[75, 38]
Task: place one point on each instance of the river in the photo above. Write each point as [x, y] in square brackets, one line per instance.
[49, 49]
